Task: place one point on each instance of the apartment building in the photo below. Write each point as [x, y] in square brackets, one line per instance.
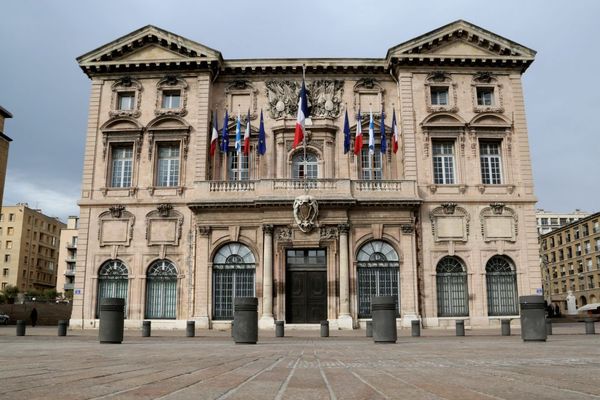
[547, 221]
[67, 257]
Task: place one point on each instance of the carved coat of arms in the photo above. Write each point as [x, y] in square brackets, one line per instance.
[306, 211]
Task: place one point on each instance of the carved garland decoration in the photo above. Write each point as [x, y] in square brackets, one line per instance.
[116, 212]
[496, 210]
[449, 209]
[324, 97]
[171, 83]
[124, 85]
[164, 212]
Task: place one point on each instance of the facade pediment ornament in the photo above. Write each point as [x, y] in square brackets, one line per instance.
[284, 234]
[450, 222]
[241, 90]
[324, 97]
[164, 226]
[499, 222]
[117, 210]
[115, 226]
[329, 232]
[306, 211]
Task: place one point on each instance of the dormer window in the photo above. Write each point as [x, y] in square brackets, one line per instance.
[126, 101]
[171, 99]
[439, 95]
[485, 96]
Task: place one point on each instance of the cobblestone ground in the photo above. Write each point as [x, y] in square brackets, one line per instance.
[302, 365]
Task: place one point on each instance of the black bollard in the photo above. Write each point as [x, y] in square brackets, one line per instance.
[146, 328]
[245, 319]
[590, 328]
[279, 329]
[112, 315]
[533, 318]
[190, 329]
[505, 327]
[324, 328]
[62, 328]
[369, 329]
[415, 326]
[548, 327]
[20, 327]
[460, 327]
[232, 330]
[383, 309]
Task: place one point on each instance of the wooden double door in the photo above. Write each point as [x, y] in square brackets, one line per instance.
[306, 286]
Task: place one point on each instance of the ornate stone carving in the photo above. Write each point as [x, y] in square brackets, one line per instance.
[324, 97]
[116, 210]
[306, 210]
[122, 86]
[487, 79]
[203, 230]
[164, 209]
[450, 222]
[284, 234]
[267, 229]
[499, 222]
[115, 226]
[343, 229]
[282, 97]
[329, 232]
[241, 88]
[449, 208]
[407, 228]
[164, 226]
[497, 208]
[171, 83]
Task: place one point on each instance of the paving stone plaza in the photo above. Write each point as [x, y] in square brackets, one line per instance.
[302, 365]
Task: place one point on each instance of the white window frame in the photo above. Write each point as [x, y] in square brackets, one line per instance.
[448, 176]
[232, 165]
[122, 178]
[168, 97]
[486, 161]
[173, 174]
[312, 165]
[366, 172]
[439, 89]
[481, 91]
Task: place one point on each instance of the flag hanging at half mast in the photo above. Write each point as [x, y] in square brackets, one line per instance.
[262, 140]
[215, 136]
[302, 115]
[358, 138]
[247, 135]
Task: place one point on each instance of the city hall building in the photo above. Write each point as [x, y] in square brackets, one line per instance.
[445, 223]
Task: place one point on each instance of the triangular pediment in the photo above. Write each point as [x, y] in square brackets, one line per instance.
[150, 53]
[460, 48]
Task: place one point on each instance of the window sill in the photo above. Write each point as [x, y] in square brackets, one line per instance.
[118, 192]
[165, 190]
[496, 189]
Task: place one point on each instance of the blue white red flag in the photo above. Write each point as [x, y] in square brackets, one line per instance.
[215, 136]
[247, 135]
[225, 134]
[302, 115]
[262, 140]
[238, 135]
[395, 133]
[346, 133]
[382, 131]
[358, 138]
[371, 135]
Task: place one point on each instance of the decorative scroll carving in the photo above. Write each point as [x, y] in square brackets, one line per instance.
[115, 226]
[324, 97]
[407, 228]
[284, 234]
[441, 79]
[343, 229]
[164, 209]
[329, 232]
[122, 86]
[116, 210]
[203, 230]
[268, 229]
[487, 79]
[306, 210]
[171, 83]
[282, 97]
[450, 222]
[242, 88]
[499, 222]
[164, 226]
[449, 208]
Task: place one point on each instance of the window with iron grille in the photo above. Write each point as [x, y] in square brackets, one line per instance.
[233, 276]
[112, 282]
[161, 290]
[501, 281]
[452, 293]
[377, 269]
[491, 163]
[443, 162]
[121, 165]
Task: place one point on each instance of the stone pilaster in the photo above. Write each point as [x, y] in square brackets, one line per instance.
[202, 278]
[408, 291]
[266, 320]
[344, 318]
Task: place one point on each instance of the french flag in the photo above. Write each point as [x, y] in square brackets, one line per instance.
[247, 135]
[238, 135]
[302, 115]
[371, 135]
[215, 136]
[394, 133]
[358, 139]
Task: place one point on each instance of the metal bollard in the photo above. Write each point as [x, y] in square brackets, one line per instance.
[460, 327]
[590, 328]
[369, 329]
[279, 329]
[383, 309]
[324, 328]
[190, 329]
[548, 327]
[415, 327]
[245, 318]
[20, 327]
[62, 328]
[505, 327]
[146, 328]
[112, 315]
[533, 316]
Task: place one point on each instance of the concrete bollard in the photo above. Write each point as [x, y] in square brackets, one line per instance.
[190, 329]
[383, 309]
[460, 327]
[112, 315]
[279, 329]
[245, 320]
[369, 329]
[505, 327]
[62, 328]
[146, 328]
[590, 328]
[415, 328]
[324, 328]
[21, 327]
[548, 327]
[533, 318]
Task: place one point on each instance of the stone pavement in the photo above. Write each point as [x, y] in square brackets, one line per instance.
[438, 365]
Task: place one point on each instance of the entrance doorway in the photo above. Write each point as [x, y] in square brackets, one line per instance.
[306, 286]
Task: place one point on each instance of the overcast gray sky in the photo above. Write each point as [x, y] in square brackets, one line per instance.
[41, 84]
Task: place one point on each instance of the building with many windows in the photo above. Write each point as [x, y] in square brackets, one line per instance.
[67, 257]
[571, 262]
[29, 248]
[547, 221]
[436, 209]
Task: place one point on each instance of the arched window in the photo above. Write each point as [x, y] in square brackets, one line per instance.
[452, 293]
[305, 167]
[233, 276]
[377, 268]
[161, 290]
[112, 282]
[501, 281]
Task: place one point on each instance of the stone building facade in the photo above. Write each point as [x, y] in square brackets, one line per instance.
[446, 224]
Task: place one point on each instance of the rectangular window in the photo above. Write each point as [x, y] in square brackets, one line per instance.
[577, 250]
[5, 272]
[9, 244]
[439, 95]
[568, 236]
[589, 264]
[121, 166]
[561, 255]
[168, 164]
[11, 217]
[576, 233]
[7, 258]
[491, 163]
[443, 163]
[596, 226]
[237, 169]
[10, 231]
[171, 99]
[485, 96]
[126, 100]
[370, 165]
[560, 239]
[591, 283]
[585, 230]
[597, 244]
[587, 248]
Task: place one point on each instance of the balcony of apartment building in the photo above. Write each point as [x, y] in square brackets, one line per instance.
[70, 271]
[71, 245]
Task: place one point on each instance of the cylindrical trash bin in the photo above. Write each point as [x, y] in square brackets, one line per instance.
[112, 315]
[279, 329]
[62, 328]
[383, 309]
[533, 318]
[245, 320]
[590, 328]
[190, 329]
[324, 328]
[232, 330]
[548, 326]
[146, 328]
[415, 328]
[20, 327]
[369, 329]
[460, 327]
[505, 328]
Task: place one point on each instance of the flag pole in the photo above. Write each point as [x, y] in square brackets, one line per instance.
[304, 136]
[238, 150]
[369, 146]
